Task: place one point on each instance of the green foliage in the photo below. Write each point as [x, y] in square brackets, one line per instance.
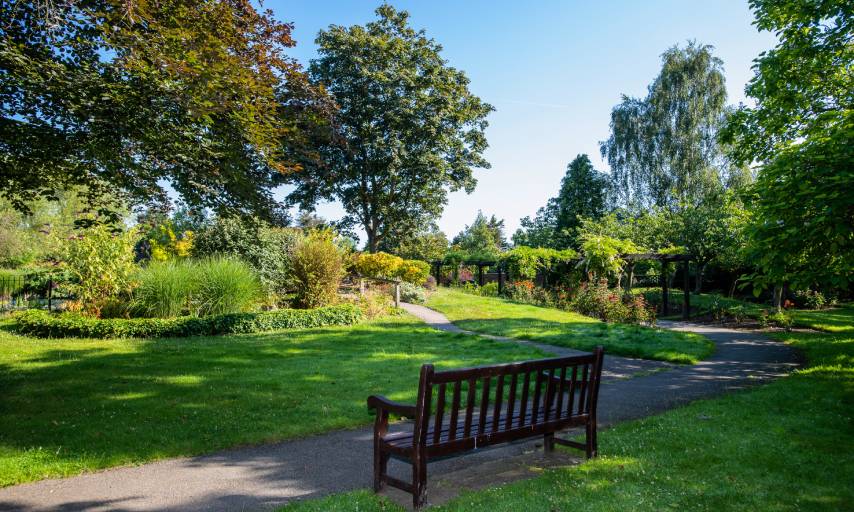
[41, 324]
[410, 128]
[125, 97]
[317, 266]
[164, 289]
[210, 286]
[378, 264]
[663, 149]
[802, 131]
[524, 262]
[412, 293]
[223, 285]
[584, 193]
[166, 244]
[802, 231]
[601, 254]
[483, 239]
[413, 271]
[489, 290]
[428, 245]
[597, 300]
[267, 249]
[101, 264]
[811, 299]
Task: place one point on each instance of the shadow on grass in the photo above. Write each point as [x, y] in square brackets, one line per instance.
[74, 405]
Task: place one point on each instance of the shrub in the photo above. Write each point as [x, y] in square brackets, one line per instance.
[164, 289]
[489, 290]
[165, 244]
[781, 319]
[101, 264]
[42, 324]
[520, 291]
[223, 285]
[412, 293]
[265, 248]
[317, 268]
[379, 264]
[811, 299]
[413, 271]
[430, 283]
[597, 300]
[375, 304]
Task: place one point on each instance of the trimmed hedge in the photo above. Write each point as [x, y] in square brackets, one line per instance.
[42, 324]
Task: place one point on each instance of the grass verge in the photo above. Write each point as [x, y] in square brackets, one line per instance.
[788, 445]
[567, 329]
[74, 405]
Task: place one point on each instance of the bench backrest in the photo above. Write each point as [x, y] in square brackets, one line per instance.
[505, 401]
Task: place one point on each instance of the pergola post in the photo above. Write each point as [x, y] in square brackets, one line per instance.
[500, 279]
[686, 291]
[630, 277]
[665, 293]
[480, 274]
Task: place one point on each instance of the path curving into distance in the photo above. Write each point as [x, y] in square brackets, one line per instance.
[269, 476]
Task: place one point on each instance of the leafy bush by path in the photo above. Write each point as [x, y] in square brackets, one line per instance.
[317, 268]
[412, 293]
[42, 324]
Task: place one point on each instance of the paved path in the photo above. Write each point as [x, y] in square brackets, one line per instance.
[264, 477]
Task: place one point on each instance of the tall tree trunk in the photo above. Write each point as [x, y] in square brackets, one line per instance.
[701, 269]
[778, 297]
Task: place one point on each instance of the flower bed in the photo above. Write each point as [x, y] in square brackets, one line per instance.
[42, 324]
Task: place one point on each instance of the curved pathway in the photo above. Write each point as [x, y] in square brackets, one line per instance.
[265, 477]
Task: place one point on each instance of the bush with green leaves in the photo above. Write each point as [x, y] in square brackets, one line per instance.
[413, 271]
[317, 266]
[379, 264]
[810, 299]
[597, 300]
[265, 248]
[523, 262]
[601, 254]
[101, 264]
[412, 293]
[42, 324]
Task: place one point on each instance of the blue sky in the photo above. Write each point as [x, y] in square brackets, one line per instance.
[553, 70]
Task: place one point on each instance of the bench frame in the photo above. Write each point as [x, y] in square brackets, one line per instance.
[568, 399]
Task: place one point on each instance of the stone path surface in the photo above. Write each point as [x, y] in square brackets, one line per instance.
[265, 477]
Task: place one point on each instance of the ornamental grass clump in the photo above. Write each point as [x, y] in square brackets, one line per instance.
[317, 266]
[164, 289]
[224, 285]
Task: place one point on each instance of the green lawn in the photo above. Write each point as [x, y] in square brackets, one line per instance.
[557, 327]
[69, 406]
[788, 445]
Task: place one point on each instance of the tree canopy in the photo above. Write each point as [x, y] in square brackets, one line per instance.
[663, 149]
[801, 132]
[482, 239]
[131, 98]
[409, 129]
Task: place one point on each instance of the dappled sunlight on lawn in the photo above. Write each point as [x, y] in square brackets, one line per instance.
[500, 317]
[89, 404]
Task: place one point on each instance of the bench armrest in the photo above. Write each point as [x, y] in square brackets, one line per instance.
[384, 404]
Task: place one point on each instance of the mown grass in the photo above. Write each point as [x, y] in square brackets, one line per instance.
[785, 446]
[563, 328]
[68, 406]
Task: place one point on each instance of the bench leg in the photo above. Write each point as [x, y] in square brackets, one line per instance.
[549, 443]
[380, 469]
[419, 480]
[590, 445]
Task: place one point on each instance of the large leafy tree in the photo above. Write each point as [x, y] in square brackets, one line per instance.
[483, 238]
[427, 245]
[129, 97]
[663, 149]
[801, 132]
[409, 128]
[584, 192]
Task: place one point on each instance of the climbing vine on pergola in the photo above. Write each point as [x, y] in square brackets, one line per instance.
[630, 259]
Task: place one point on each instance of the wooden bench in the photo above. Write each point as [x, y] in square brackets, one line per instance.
[487, 405]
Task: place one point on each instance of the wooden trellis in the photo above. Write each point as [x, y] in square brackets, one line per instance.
[631, 260]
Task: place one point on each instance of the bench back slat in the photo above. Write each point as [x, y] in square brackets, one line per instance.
[562, 389]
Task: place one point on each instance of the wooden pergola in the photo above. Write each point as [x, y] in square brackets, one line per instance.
[630, 259]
